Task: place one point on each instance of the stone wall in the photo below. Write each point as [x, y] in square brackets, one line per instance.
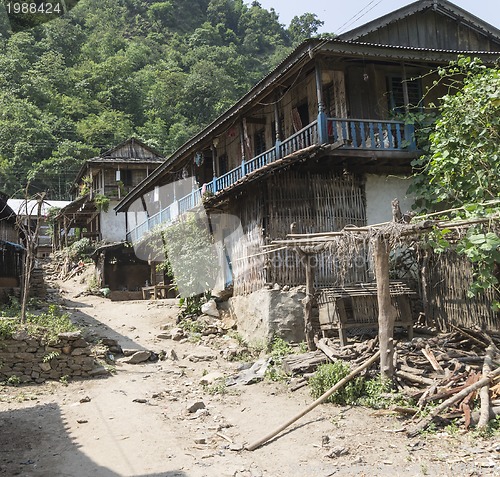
[38, 287]
[27, 358]
[268, 313]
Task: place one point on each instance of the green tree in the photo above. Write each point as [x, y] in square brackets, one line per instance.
[461, 169]
[303, 27]
[465, 144]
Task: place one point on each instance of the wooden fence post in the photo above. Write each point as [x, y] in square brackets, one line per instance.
[386, 312]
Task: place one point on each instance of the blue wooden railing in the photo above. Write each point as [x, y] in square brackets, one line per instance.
[361, 134]
[352, 133]
[306, 137]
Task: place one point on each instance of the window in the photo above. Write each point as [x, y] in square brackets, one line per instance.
[396, 95]
[259, 142]
[126, 177]
[222, 160]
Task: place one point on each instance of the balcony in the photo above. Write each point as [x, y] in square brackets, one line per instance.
[354, 134]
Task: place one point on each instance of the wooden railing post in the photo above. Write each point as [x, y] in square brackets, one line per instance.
[277, 147]
[410, 137]
[322, 128]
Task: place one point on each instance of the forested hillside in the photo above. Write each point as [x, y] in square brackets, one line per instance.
[109, 69]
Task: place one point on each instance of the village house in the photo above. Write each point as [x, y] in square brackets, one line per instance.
[320, 143]
[11, 252]
[27, 210]
[99, 186]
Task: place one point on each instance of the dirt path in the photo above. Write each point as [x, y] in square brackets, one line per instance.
[47, 431]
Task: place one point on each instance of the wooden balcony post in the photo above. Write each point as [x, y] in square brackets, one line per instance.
[277, 124]
[322, 121]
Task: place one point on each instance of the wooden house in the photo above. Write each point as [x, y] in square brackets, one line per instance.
[99, 186]
[11, 252]
[319, 143]
[27, 210]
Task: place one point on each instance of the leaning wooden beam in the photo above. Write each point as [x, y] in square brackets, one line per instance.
[318, 401]
[261, 253]
[422, 424]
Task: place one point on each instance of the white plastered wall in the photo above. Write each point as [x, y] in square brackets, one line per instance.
[380, 191]
[112, 225]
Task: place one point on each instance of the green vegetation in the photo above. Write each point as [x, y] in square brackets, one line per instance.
[464, 143]
[109, 69]
[279, 350]
[80, 250]
[50, 356]
[462, 148]
[371, 392]
[327, 375]
[190, 257]
[218, 387]
[101, 202]
[491, 430]
[46, 325]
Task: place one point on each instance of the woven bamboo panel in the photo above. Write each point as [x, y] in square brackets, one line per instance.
[314, 203]
[248, 262]
[448, 281]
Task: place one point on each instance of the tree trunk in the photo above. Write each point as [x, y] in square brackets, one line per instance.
[31, 241]
[386, 312]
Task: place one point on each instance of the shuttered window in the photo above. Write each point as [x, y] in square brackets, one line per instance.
[396, 94]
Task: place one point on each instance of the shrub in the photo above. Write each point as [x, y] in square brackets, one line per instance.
[46, 325]
[330, 374]
[80, 249]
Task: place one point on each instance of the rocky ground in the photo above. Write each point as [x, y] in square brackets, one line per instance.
[161, 419]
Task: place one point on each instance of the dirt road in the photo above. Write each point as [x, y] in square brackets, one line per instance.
[137, 421]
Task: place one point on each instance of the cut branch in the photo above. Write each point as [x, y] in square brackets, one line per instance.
[420, 426]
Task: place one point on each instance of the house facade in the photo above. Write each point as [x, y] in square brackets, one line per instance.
[100, 184]
[11, 252]
[28, 210]
[318, 144]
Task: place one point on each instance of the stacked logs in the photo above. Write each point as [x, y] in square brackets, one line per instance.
[456, 369]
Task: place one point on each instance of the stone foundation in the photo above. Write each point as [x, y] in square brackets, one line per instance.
[266, 314]
[33, 361]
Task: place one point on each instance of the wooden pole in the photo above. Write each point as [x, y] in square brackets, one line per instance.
[318, 401]
[308, 300]
[484, 394]
[386, 312]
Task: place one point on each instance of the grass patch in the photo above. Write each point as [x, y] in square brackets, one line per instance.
[327, 375]
[45, 325]
[279, 350]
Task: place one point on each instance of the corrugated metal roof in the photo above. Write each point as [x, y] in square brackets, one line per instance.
[20, 206]
[419, 6]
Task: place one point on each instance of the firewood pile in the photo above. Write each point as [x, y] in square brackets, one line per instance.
[457, 374]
